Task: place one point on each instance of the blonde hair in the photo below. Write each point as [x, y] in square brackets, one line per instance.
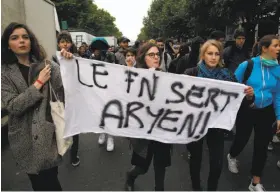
[209, 43]
[152, 41]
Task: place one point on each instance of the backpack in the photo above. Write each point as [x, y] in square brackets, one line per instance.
[248, 70]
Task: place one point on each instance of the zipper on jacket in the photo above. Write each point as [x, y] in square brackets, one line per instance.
[263, 83]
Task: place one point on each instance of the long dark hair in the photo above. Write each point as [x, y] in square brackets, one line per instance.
[8, 56]
[141, 63]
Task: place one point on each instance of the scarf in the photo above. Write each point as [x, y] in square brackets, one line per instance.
[216, 73]
[269, 62]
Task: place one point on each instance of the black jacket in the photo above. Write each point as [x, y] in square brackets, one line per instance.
[233, 56]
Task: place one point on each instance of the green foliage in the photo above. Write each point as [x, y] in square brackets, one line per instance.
[187, 18]
[165, 18]
[85, 14]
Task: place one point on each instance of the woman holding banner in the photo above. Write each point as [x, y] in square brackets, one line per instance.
[25, 95]
[145, 150]
[210, 66]
[265, 79]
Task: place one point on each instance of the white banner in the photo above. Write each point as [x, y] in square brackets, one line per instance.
[140, 103]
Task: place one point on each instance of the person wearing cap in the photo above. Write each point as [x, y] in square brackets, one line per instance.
[119, 55]
[237, 53]
[99, 47]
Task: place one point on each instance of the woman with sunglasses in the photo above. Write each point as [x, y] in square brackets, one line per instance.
[144, 151]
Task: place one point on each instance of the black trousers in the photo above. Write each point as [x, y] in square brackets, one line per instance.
[74, 148]
[161, 156]
[46, 180]
[261, 121]
[215, 142]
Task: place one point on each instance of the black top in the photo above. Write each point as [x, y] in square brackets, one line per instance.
[24, 71]
[233, 56]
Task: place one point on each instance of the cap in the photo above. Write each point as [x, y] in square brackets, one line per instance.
[123, 39]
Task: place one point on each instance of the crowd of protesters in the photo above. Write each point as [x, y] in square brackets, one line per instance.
[25, 77]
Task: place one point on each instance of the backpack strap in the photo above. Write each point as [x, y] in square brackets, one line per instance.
[248, 70]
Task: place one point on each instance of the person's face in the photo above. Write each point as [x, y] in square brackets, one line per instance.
[130, 59]
[82, 50]
[124, 44]
[239, 41]
[222, 40]
[19, 42]
[160, 45]
[64, 44]
[96, 52]
[152, 57]
[273, 50]
[211, 56]
[85, 46]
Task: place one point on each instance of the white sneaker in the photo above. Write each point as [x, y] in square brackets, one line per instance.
[258, 187]
[275, 139]
[102, 139]
[270, 146]
[110, 144]
[232, 164]
[278, 163]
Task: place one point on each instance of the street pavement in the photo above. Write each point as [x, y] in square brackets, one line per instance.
[105, 171]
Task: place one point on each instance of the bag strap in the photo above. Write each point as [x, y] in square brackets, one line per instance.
[52, 92]
[50, 86]
[248, 70]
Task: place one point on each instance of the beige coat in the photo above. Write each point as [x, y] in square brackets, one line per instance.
[31, 131]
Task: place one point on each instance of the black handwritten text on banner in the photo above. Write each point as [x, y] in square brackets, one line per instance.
[140, 103]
